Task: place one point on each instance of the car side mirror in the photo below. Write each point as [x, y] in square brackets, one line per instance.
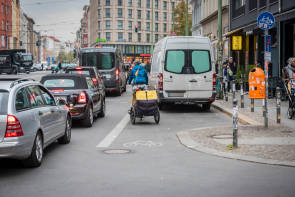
[61, 102]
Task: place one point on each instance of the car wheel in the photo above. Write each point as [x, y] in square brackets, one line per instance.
[132, 116]
[66, 138]
[36, 156]
[290, 113]
[103, 109]
[157, 116]
[90, 117]
[206, 107]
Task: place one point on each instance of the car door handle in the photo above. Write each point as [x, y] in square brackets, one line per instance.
[193, 81]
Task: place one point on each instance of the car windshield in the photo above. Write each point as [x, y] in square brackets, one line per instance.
[27, 58]
[59, 83]
[3, 102]
[103, 61]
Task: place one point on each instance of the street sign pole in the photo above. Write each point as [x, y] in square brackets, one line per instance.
[266, 82]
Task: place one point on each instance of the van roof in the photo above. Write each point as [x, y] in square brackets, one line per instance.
[103, 49]
[184, 42]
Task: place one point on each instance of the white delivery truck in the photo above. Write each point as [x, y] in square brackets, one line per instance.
[182, 71]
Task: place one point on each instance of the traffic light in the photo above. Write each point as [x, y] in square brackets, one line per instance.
[136, 28]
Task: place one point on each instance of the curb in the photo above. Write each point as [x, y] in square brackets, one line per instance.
[186, 140]
[242, 118]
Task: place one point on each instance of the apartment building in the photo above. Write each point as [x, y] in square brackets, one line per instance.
[128, 24]
[6, 23]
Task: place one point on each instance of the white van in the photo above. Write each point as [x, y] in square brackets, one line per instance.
[183, 70]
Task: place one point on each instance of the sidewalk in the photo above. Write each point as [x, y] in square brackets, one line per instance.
[275, 145]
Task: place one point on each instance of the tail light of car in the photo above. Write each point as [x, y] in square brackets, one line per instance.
[13, 128]
[57, 90]
[95, 82]
[214, 82]
[82, 99]
[117, 75]
[160, 82]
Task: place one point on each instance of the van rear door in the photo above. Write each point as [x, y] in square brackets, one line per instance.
[187, 74]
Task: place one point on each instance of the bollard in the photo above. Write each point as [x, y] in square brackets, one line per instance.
[242, 95]
[226, 90]
[235, 123]
[234, 90]
[278, 96]
[252, 105]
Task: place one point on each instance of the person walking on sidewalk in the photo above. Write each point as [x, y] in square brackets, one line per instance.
[232, 71]
[289, 70]
[225, 76]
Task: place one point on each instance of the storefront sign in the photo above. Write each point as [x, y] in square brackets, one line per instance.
[237, 43]
[101, 40]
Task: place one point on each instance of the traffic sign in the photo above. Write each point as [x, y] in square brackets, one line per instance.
[265, 20]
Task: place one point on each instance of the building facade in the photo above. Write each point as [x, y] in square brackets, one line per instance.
[128, 24]
[14, 41]
[50, 48]
[197, 16]
[84, 27]
[243, 17]
[6, 23]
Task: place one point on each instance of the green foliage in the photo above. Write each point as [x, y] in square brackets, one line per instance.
[179, 18]
[65, 57]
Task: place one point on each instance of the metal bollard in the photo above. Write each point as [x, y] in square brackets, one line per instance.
[235, 123]
[278, 96]
[242, 95]
[234, 90]
[252, 105]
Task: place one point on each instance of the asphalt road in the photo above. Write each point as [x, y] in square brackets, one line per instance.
[157, 164]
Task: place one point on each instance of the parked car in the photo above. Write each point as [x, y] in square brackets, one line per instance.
[84, 99]
[30, 120]
[36, 67]
[109, 63]
[184, 72]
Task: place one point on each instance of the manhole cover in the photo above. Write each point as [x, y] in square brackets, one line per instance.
[222, 136]
[287, 131]
[117, 151]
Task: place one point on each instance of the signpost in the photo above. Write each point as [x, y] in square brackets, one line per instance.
[266, 21]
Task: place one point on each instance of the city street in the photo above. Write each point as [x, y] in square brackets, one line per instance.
[116, 158]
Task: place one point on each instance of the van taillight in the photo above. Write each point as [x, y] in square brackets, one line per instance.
[160, 82]
[82, 98]
[117, 74]
[13, 128]
[214, 82]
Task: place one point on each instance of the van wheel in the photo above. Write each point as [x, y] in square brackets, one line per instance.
[36, 156]
[206, 107]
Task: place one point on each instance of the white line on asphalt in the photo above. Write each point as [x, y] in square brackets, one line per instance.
[108, 140]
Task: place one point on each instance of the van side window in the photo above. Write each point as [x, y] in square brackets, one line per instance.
[201, 61]
[175, 61]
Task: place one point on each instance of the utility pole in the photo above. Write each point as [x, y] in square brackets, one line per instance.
[186, 19]
[152, 45]
[220, 49]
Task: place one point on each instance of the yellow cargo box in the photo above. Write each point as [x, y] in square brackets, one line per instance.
[146, 95]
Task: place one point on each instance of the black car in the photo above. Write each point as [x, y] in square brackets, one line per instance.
[85, 100]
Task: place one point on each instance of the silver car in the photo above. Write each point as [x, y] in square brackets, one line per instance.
[30, 120]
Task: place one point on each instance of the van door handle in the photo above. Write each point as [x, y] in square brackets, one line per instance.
[193, 81]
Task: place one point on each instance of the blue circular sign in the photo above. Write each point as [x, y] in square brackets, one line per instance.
[266, 20]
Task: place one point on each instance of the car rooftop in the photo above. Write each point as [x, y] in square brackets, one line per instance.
[65, 75]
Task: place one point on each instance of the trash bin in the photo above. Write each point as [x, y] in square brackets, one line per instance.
[256, 84]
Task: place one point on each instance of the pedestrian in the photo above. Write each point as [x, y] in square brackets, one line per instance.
[225, 76]
[232, 71]
[42, 67]
[59, 66]
[289, 70]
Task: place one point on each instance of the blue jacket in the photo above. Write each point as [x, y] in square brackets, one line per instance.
[141, 78]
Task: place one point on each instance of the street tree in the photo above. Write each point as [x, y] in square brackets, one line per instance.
[179, 19]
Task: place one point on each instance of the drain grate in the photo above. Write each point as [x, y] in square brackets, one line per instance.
[286, 131]
[117, 151]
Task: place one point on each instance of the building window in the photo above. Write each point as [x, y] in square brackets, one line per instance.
[262, 3]
[120, 36]
[252, 4]
[139, 14]
[7, 9]
[108, 36]
[98, 2]
[165, 16]
[239, 7]
[108, 13]
[130, 3]
[156, 16]
[98, 35]
[148, 38]
[120, 13]
[165, 27]
[120, 25]
[2, 25]
[157, 4]
[148, 26]
[7, 26]
[157, 27]
[272, 1]
[99, 15]
[108, 2]
[120, 2]
[139, 37]
[148, 15]
[148, 4]
[129, 25]
[139, 25]
[108, 24]
[3, 41]
[98, 25]
[129, 37]
[139, 3]
[129, 13]
[2, 8]
[156, 37]
[165, 5]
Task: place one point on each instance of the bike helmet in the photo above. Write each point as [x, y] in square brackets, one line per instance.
[137, 63]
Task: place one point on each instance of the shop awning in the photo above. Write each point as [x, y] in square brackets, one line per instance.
[232, 32]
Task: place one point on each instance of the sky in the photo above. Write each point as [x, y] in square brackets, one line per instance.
[59, 18]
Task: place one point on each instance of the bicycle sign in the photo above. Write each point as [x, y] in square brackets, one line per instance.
[265, 20]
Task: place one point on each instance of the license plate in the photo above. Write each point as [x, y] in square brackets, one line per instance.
[175, 94]
[107, 76]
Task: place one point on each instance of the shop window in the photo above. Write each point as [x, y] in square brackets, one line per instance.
[262, 3]
[252, 4]
[238, 8]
